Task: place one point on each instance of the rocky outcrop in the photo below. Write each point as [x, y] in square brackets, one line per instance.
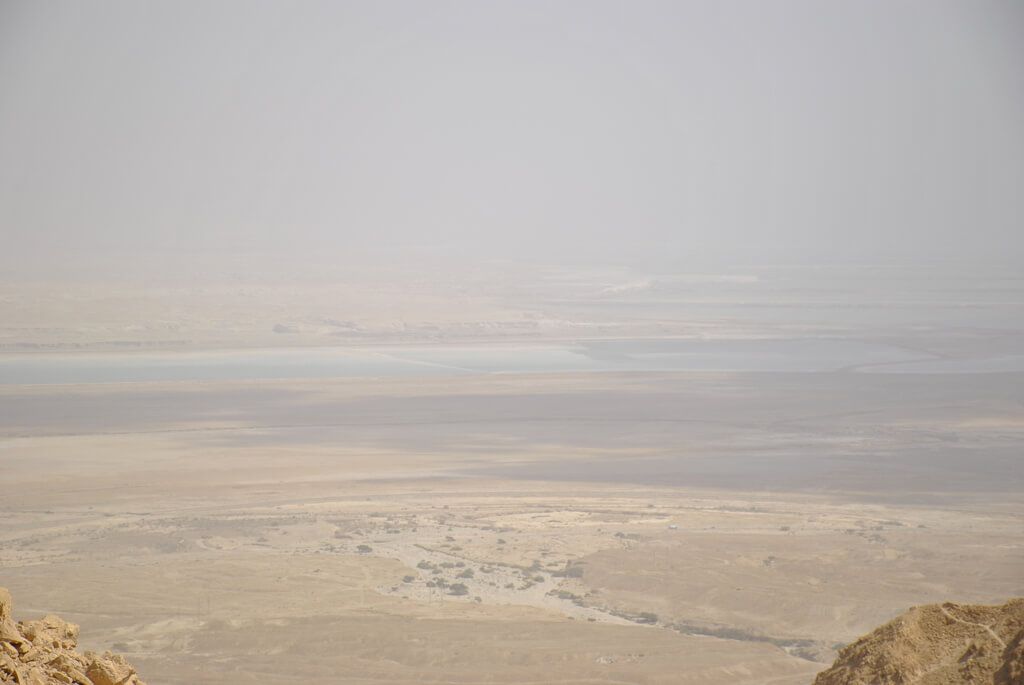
[938, 644]
[43, 653]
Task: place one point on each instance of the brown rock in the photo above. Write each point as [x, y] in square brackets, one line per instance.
[36, 676]
[42, 652]
[51, 630]
[68, 665]
[947, 644]
[9, 633]
[110, 670]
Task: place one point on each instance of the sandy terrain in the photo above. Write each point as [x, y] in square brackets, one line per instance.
[604, 527]
[135, 303]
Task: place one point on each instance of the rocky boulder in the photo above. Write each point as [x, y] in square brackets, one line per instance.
[938, 644]
[42, 652]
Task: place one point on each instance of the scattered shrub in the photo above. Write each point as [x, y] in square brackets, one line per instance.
[570, 571]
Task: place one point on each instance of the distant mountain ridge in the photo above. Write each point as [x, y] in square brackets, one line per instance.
[937, 644]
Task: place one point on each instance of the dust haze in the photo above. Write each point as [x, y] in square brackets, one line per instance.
[508, 342]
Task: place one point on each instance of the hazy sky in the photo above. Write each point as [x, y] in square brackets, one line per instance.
[784, 131]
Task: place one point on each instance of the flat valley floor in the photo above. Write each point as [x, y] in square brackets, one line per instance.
[553, 528]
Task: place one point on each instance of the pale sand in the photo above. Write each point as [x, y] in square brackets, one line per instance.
[211, 532]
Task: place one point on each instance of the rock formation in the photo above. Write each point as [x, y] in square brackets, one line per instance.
[945, 644]
[43, 653]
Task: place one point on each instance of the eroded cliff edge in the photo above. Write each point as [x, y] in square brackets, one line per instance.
[43, 652]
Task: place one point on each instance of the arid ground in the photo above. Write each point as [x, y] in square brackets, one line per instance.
[634, 525]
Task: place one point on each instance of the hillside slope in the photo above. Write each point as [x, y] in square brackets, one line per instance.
[945, 644]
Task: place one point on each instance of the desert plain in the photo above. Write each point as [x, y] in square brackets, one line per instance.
[652, 516]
